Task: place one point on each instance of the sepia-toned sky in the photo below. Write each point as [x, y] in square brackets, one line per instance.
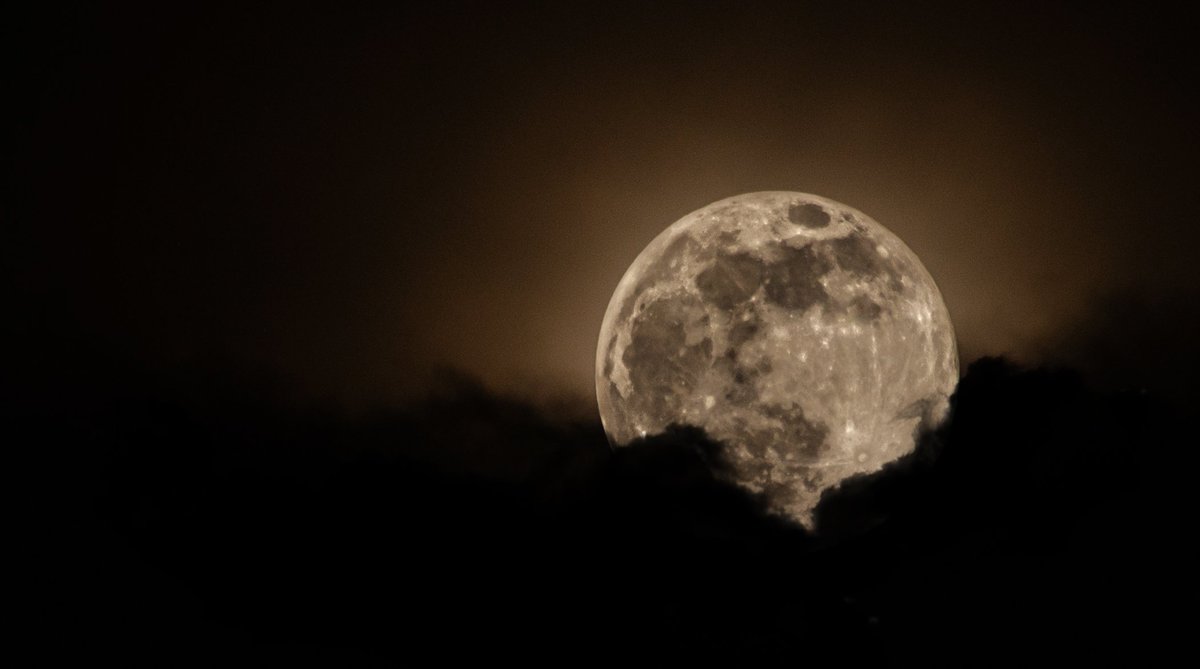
[352, 197]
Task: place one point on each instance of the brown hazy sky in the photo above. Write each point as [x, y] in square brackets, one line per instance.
[351, 197]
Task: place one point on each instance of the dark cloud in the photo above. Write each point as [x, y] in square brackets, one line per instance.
[198, 511]
[1136, 340]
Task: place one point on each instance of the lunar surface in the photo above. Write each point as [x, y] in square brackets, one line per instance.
[797, 331]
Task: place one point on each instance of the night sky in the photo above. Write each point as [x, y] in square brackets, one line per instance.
[354, 197]
[307, 302]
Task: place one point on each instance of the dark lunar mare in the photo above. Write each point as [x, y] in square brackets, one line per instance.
[794, 281]
[663, 367]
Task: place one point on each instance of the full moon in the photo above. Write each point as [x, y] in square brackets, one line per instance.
[795, 330]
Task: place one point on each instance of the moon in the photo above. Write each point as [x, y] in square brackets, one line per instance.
[794, 329]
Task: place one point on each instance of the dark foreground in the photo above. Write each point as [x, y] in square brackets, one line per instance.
[192, 518]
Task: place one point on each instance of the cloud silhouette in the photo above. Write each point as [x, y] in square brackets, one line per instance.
[201, 515]
[1136, 340]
